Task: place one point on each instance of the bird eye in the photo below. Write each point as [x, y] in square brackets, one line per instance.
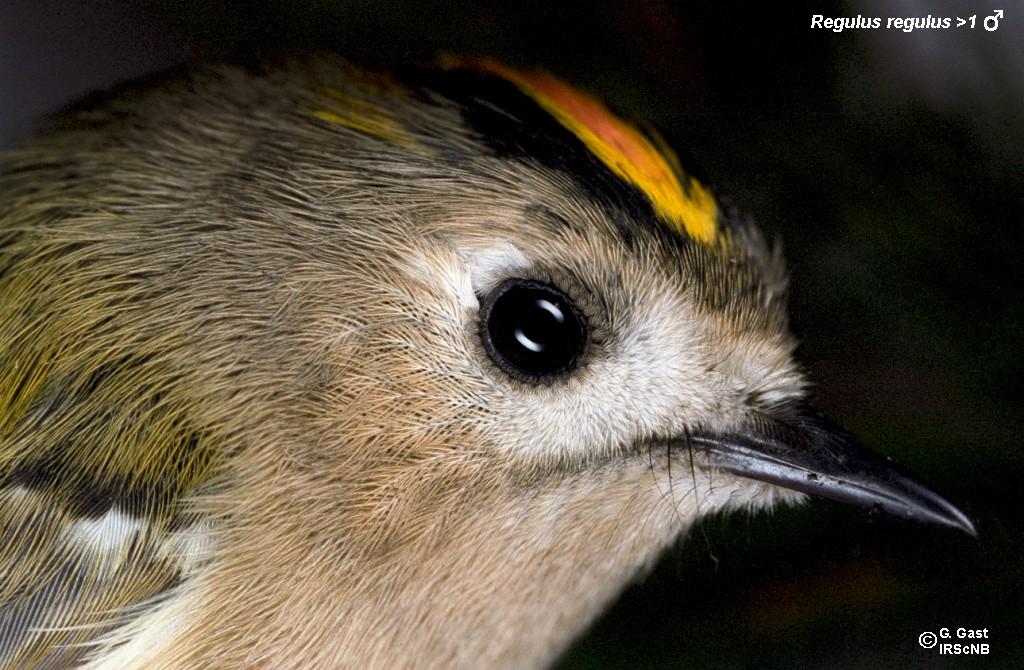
[532, 330]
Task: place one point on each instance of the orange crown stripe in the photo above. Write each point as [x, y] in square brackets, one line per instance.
[620, 146]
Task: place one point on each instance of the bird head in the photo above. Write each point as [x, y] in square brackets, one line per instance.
[319, 368]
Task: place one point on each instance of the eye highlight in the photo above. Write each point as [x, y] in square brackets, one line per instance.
[532, 330]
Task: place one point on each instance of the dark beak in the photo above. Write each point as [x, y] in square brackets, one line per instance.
[804, 452]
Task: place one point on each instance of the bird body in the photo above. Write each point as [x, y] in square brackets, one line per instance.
[261, 401]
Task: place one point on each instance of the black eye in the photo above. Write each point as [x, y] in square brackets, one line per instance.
[532, 330]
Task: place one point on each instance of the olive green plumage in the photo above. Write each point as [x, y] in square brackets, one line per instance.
[220, 299]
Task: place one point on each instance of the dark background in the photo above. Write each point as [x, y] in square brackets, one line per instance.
[890, 165]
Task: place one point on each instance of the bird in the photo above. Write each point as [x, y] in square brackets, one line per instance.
[305, 364]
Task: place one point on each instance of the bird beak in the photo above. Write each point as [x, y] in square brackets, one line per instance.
[806, 453]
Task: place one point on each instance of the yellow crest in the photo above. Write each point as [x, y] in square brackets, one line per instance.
[678, 198]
